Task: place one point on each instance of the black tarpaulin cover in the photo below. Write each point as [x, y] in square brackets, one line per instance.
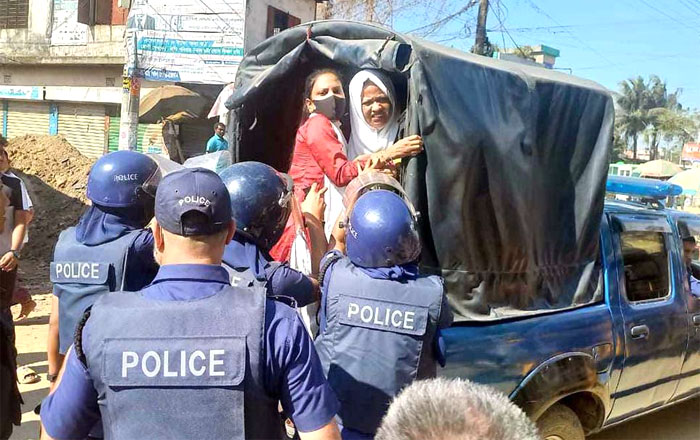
[511, 185]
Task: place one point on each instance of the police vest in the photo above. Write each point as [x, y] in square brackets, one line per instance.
[181, 369]
[378, 339]
[81, 274]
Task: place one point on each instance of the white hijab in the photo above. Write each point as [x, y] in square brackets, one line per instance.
[365, 139]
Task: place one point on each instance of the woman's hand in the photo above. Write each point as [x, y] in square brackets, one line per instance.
[8, 261]
[314, 203]
[408, 146]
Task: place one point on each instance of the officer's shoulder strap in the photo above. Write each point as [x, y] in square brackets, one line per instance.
[274, 266]
[78, 337]
[288, 300]
[133, 235]
[332, 258]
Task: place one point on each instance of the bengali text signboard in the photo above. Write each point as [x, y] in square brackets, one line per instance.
[197, 41]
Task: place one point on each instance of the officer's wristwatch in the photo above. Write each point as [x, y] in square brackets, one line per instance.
[52, 377]
[15, 253]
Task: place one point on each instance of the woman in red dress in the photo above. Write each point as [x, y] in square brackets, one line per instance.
[320, 152]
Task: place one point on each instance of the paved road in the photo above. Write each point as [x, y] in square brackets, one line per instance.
[678, 422]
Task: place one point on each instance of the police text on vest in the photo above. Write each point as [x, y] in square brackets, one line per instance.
[78, 270]
[154, 363]
[382, 316]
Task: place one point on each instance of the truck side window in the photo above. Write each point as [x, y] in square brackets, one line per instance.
[645, 259]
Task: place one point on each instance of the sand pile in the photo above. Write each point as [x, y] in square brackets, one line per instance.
[56, 175]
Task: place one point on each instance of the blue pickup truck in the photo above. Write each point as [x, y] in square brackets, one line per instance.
[584, 323]
[634, 351]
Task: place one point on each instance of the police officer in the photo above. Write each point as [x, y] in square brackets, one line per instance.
[379, 316]
[108, 249]
[261, 202]
[191, 356]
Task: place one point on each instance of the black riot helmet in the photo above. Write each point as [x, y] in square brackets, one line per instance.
[260, 201]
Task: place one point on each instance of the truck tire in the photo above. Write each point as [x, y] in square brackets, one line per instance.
[560, 423]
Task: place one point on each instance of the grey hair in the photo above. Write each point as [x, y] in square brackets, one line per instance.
[454, 409]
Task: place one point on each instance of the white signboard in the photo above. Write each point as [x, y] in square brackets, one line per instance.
[65, 29]
[22, 92]
[197, 41]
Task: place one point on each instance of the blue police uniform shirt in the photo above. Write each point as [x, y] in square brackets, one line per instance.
[292, 371]
[281, 280]
[216, 143]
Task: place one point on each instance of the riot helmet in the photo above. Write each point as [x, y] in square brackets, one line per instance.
[123, 179]
[260, 201]
[382, 230]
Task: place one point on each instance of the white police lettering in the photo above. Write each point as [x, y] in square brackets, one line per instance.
[126, 177]
[194, 200]
[153, 363]
[382, 316]
[78, 270]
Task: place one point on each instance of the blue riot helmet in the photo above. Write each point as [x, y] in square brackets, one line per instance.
[260, 201]
[123, 179]
[382, 230]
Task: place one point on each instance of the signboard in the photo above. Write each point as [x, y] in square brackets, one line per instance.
[65, 29]
[33, 93]
[197, 41]
[691, 152]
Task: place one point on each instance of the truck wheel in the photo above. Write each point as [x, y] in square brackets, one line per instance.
[560, 423]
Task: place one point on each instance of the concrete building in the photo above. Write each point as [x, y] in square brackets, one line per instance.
[539, 55]
[61, 64]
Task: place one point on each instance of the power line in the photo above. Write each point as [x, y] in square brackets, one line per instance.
[672, 18]
[691, 6]
[540, 11]
[445, 19]
[509, 35]
[589, 25]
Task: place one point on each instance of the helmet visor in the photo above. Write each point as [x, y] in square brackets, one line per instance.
[289, 189]
[165, 166]
[373, 180]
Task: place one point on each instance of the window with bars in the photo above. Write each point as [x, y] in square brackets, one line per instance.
[277, 21]
[14, 14]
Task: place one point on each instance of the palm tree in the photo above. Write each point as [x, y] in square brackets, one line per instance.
[633, 117]
[662, 112]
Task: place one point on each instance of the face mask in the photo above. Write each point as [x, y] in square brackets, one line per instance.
[332, 107]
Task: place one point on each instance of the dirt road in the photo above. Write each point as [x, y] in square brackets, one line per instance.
[31, 346]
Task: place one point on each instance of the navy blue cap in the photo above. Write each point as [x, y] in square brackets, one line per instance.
[188, 190]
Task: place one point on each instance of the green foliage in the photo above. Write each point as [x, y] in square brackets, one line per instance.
[648, 109]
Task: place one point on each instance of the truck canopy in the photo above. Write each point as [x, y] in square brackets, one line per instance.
[511, 186]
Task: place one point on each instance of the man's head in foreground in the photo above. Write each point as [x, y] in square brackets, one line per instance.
[193, 218]
[443, 409]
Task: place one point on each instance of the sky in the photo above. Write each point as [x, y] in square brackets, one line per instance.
[607, 41]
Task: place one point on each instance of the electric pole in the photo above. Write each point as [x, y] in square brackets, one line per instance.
[369, 10]
[481, 42]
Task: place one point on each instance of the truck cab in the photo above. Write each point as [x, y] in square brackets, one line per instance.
[632, 351]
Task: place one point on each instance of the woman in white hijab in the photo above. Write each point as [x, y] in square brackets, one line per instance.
[374, 119]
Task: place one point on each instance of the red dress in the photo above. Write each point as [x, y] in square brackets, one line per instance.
[317, 152]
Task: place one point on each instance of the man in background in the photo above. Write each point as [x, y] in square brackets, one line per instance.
[217, 142]
[16, 218]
